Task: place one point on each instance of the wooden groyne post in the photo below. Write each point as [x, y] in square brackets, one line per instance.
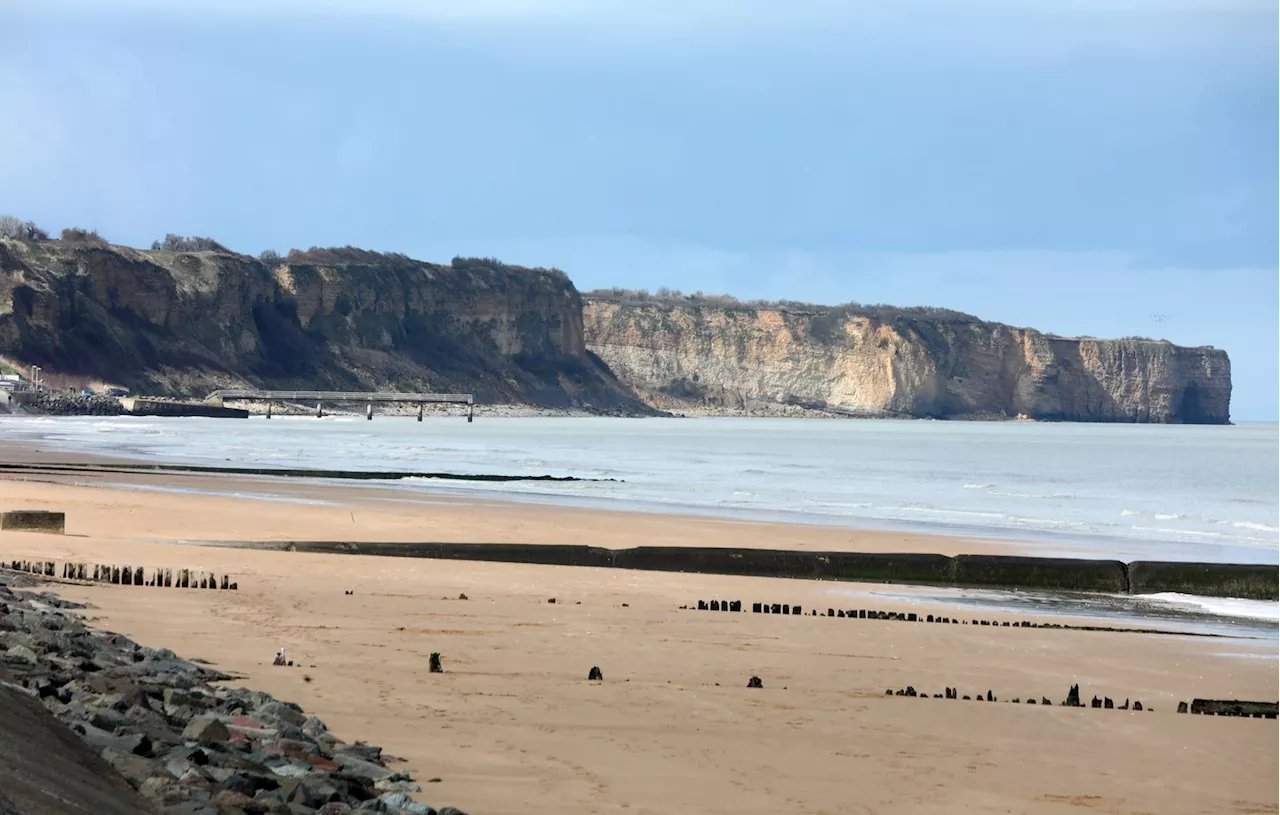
[123, 575]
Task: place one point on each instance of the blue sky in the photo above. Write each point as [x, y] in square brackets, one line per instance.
[1081, 166]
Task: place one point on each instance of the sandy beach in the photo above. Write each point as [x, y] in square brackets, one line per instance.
[513, 725]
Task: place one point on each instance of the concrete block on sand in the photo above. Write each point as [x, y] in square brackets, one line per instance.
[33, 520]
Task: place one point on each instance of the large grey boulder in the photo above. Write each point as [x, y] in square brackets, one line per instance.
[207, 729]
[21, 654]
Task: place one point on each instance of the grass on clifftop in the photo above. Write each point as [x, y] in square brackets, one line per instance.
[671, 298]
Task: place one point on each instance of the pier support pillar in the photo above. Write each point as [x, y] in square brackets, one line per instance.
[268, 410]
[319, 410]
[368, 412]
[471, 412]
[420, 407]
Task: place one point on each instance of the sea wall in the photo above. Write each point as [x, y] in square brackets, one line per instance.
[1057, 574]
[976, 571]
[39, 754]
[1256, 581]
[187, 323]
[875, 361]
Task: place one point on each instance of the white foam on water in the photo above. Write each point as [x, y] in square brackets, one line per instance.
[1254, 526]
[1035, 495]
[959, 513]
[1170, 532]
[1221, 606]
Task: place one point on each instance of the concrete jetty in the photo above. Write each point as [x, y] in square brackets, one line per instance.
[218, 397]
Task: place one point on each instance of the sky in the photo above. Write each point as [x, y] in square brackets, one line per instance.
[1086, 167]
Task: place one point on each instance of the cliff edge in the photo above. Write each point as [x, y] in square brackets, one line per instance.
[879, 361]
[187, 323]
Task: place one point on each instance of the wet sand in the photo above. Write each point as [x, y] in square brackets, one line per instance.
[513, 725]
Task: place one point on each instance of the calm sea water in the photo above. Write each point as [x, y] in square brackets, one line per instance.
[1126, 491]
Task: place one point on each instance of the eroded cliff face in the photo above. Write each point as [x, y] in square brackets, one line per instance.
[881, 363]
[187, 323]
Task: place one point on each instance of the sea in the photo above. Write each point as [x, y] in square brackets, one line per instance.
[1201, 493]
[1125, 491]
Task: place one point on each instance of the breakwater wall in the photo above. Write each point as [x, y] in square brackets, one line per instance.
[142, 406]
[1207, 579]
[1247, 581]
[353, 475]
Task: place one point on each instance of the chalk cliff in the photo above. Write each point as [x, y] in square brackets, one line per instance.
[185, 323]
[896, 362]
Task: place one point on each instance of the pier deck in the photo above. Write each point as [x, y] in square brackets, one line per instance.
[218, 397]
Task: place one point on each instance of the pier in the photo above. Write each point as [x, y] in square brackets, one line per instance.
[320, 397]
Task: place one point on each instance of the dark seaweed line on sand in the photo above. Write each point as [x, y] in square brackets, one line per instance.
[962, 571]
[355, 475]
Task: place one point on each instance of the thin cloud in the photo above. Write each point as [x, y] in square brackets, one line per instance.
[988, 31]
[662, 13]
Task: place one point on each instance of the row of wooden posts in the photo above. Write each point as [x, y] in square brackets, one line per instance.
[786, 608]
[868, 614]
[126, 575]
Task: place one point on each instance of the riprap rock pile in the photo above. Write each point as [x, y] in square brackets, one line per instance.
[186, 744]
